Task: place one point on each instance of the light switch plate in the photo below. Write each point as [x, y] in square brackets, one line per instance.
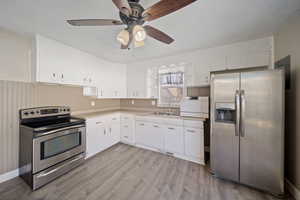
[93, 103]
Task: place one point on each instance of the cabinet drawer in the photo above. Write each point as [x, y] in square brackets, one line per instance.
[113, 118]
[125, 117]
[193, 124]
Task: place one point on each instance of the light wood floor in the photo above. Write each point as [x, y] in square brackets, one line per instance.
[125, 172]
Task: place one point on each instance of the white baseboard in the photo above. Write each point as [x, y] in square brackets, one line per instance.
[9, 175]
[295, 192]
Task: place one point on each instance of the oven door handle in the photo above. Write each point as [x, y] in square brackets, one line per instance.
[58, 168]
[59, 130]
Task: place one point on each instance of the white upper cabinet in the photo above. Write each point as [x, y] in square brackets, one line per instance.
[112, 81]
[136, 81]
[54, 62]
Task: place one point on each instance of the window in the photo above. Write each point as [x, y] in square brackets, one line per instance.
[170, 86]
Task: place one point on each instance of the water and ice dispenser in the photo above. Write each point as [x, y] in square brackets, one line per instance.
[225, 112]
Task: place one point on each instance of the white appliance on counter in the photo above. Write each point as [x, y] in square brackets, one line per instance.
[195, 107]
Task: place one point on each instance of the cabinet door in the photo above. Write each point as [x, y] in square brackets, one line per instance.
[136, 81]
[155, 136]
[114, 133]
[96, 139]
[194, 143]
[174, 139]
[141, 132]
[127, 133]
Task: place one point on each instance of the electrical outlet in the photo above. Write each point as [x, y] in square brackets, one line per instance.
[132, 102]
[93, 103]
[153, 103]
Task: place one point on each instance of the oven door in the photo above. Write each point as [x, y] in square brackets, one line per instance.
[58, 145]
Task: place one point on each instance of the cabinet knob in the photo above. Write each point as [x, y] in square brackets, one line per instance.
[171, 128]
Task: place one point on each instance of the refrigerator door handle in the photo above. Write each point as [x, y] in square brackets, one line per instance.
[237, 107]
[243, 106]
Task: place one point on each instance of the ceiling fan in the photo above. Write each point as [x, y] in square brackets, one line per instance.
[133, 15]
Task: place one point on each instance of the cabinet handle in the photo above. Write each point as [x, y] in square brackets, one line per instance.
[98, 122]
[125, 136]
[125, 126]
[190, 131]
[171, 128]
[53, 75]
[142, 124]
[155, 126]
[62, 76]
[114, 118]
[90, 80]
[104, 131]
[110, 130]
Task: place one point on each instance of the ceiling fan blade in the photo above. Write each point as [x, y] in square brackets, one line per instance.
[94, 22]
[158, 35]
[123, 6]
[165, 7]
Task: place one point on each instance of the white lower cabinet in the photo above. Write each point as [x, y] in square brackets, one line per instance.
[155, 136]
[96, 139]
[149, 135]
[114, 131]
[194, 143]
[102, 132]
[180, 138]
[127, 129]
[141, 133]
[174, 141]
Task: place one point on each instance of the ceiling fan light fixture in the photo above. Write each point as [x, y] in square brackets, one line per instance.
[139, 44]
[139, 33]
[123, 37]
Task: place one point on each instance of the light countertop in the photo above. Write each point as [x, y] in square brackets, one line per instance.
[138, 113]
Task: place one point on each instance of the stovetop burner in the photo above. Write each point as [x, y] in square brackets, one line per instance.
[48, 118]
[54, 124]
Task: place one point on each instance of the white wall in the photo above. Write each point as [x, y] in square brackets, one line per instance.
[287, 42]
[15, 53]
[214, 56]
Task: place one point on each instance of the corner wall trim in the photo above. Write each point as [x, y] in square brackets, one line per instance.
[9, 175]
[295, 192]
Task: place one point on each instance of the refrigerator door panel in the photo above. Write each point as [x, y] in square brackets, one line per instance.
[225, 141]
[261, 137]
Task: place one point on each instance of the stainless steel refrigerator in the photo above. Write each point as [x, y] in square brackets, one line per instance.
[247, 128]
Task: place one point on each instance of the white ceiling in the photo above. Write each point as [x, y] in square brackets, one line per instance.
[203, 24]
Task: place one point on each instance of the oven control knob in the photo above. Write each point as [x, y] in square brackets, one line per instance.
[25, 113]
[64, 110]
[32, 112]
[68, 109]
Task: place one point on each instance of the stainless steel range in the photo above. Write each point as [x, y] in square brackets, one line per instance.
[51, 144]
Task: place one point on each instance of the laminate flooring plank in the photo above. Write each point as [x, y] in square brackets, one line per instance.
[123, 172]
